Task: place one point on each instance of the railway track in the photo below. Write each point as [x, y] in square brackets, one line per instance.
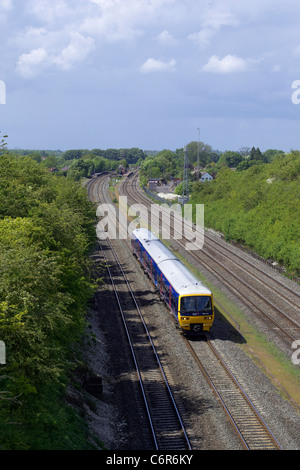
[165, 422]
[241, 412]
[269, 298]
[243, 415]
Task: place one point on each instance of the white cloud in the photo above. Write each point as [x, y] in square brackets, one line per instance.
[49, 11]
[212, 20]
[5, 7]
[77, 50]
[110, 27]
[29, 64]
[203, 37]
[229, 64]
[153, 65]
[166, 39]
[6, 4]
[219, 16]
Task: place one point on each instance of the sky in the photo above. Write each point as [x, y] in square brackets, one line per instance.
[153, 74]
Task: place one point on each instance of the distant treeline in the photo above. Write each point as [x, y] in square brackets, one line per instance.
[167, 164]
[80, 163]
[130, 155]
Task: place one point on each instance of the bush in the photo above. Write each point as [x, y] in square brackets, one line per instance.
[46, 232]
[258, 207]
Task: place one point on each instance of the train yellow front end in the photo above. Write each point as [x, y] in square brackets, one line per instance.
[195, 313]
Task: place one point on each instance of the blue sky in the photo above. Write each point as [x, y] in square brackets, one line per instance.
[149, 73]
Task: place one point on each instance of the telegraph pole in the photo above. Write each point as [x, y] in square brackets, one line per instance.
[185, 185]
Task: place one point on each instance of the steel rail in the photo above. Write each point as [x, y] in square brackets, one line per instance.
[152, 345]
[132, 351]
[260, 421]
[163, 375]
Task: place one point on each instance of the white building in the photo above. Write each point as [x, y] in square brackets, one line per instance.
[206, 177]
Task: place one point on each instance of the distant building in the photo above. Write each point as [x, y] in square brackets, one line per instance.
[206, 177]
[176, 181]
[121, 170]
[152, 183]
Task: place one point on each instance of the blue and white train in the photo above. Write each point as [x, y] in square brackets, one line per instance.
[189, 300]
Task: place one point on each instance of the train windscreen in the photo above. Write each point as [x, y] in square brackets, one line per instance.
[195, 304]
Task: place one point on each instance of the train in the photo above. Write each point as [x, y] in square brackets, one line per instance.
[190, 302]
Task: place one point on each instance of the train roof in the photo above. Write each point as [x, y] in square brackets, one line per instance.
[156, 249]
[182, 280]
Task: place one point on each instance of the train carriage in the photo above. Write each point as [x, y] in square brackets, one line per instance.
[190, 302]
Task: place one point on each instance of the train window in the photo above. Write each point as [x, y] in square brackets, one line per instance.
[195, 304]
[165, 289]
[174, 302]
[148, 261]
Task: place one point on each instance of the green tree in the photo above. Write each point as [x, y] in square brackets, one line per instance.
[205, 152]
[72, 154]
[230, 159]
[3, 143]
[258, 207]
[46, 231]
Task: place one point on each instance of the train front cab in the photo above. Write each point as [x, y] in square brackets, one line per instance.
[195, 313]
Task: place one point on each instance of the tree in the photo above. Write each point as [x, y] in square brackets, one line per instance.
[46, 231]
[230, 159]
[244, 151]
[256, 154]
[2, 143]
[271, 154]
[50, 162]
[205, 152]
[72, 154]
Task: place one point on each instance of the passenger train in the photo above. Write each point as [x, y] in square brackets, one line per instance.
[190, 302]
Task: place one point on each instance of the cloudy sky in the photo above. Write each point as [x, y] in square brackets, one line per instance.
[150, 73]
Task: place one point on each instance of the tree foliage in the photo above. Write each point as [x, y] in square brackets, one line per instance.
[258, 207]
[230, 159]
[164, 165]
[131, 155]
[46, 231]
